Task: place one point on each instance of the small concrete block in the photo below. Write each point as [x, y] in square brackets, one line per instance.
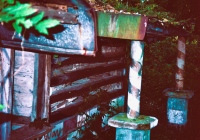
[177, 104]
[128, 134]
[140, 123]
[177, 116]
[177, 110]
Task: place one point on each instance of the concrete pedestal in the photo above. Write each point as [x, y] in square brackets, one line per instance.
[132, 129]
[177, 105]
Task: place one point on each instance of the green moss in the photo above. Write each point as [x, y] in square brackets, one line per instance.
[141, 119]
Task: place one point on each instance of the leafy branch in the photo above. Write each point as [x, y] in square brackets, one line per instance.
[1, 107]
[22, 15]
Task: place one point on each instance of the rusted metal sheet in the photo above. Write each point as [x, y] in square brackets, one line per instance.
[124, 26]
[77, 38]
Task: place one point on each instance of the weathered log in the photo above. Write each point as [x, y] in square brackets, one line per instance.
[80, 105]
[81, 89]
[83, 73]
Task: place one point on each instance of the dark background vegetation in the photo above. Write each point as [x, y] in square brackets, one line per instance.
[160, 66]
[159, 74]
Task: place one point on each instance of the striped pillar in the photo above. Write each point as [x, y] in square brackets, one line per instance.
[135, 78]
[177, 103]
[180, 63]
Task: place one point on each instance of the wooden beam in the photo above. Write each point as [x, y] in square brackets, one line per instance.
[41, 91]
[86, 72]
[6, 91]
[78, 106]
[83, 89]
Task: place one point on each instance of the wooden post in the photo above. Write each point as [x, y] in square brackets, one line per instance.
[6, 90]
[41, 91]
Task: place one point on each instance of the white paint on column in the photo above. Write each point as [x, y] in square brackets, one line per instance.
[133, 102]
[180, 63]
[135, 78]
[137, 51]
[181, 46]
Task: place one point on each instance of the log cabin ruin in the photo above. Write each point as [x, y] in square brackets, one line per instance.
[94, 54]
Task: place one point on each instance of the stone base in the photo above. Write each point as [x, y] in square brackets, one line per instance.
[128, 134]
[132, 129]
[177, 105]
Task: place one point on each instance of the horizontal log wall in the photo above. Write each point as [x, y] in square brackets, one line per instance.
[82, 83]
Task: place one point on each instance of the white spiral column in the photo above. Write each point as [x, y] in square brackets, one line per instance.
[135, 79]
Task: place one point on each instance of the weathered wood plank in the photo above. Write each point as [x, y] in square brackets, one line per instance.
[85, 88]
[6, 90]
[86, 72]
[60, 71]
[63, 61]
[42, 86]
[23, 83]
[80, 105]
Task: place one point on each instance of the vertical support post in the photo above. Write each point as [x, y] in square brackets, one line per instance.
[180, 63]
[6, 90]
[177, 103]
[135, 79]
[132, 125]
[41, 92]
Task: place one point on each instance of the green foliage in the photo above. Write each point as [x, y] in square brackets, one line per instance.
[93, 123]
[1, 107]
[43, 25]
[24, 16]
